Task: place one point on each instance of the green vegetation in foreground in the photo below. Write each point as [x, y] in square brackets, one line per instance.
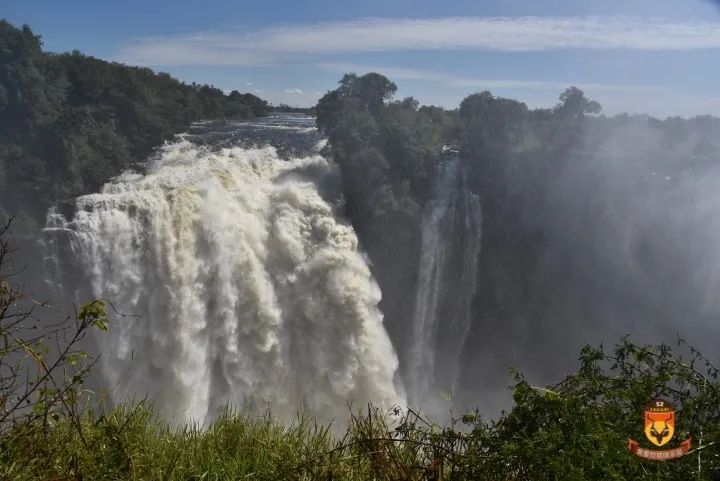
[51, 428]
[69, 122]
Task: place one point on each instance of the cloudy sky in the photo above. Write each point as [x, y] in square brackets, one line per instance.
[660, 57]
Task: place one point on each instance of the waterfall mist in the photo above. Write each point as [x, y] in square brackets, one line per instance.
[622, 235]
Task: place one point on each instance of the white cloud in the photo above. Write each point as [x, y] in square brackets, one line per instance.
[282, 44]
[293, 91]
[460, 82]
[249, 84]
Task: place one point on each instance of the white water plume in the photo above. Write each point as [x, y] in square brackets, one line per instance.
[250, 292]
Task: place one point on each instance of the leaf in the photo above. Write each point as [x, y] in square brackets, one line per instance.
[95, 314]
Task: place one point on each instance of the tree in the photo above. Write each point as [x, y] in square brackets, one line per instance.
[490, 119]
[41, 365]
[372, 89]
[574, 105]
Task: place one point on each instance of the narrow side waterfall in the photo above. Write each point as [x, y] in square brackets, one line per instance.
[249, 291]
[451, 238]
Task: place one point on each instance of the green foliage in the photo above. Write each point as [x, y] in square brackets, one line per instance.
[371, 89]
[578, 429]
[130, 442]
[574, 430]
[41, 364]
[69, 122]
[94, 313]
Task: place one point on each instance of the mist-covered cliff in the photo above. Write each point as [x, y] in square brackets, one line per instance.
[592, 228]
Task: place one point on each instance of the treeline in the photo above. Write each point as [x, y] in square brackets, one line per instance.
[285, 108]
[68, 122]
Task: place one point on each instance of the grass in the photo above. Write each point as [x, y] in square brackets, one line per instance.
[131, 443]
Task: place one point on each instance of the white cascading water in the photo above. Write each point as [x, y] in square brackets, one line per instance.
[250, 292]
[450, 246]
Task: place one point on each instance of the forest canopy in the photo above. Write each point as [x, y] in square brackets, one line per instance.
[69, 122]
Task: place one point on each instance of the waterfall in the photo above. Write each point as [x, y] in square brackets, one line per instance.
[450, 245]
[248, 290]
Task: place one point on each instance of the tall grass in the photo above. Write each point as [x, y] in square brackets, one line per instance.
[131, 443]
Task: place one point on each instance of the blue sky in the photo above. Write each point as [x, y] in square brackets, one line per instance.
[660, 57]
